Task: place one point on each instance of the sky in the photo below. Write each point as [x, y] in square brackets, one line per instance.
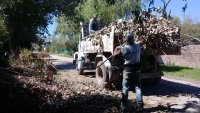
[193, 10]
[193, 7]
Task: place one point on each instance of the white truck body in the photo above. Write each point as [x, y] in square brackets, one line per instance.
[95, 50]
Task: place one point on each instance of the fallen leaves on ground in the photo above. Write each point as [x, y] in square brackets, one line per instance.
[35, 94]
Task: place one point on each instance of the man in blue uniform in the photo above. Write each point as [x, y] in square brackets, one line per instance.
[131, 73]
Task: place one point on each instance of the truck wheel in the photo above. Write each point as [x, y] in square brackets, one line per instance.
[102, 76]
[144, 82]
[156, 81]
[80, 71]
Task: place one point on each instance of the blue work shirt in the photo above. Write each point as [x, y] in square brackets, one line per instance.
[131, 54]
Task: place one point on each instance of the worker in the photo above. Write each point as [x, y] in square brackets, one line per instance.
[131, 73]
[94, 25]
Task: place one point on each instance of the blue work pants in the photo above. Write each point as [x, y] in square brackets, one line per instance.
[131, 79]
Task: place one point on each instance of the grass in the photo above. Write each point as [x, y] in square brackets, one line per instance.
[178, 71]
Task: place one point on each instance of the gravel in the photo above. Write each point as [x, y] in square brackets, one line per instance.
[173, 94]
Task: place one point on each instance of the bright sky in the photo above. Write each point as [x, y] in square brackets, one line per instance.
[52, 27]
[193, 9]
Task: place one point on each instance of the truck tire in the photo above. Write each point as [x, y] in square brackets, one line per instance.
[117, 83]
[147, 81]
[79, 71]
[102, 76]
[157, 80]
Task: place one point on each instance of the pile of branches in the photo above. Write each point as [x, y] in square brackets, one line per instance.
[43, 54]
[158, 32]
[33, 64]
[33, 94]
[22, 91]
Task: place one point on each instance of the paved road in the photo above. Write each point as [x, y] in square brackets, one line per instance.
[183, 95]
[62, 63]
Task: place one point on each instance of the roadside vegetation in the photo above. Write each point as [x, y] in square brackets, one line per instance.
[23, 29]
[179, 71]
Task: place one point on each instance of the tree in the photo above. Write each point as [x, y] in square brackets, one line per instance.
[4, 40]
[190, 27]
[176, 20]
[68, 32]
[66, 27]
[107, 11]
[26, 20]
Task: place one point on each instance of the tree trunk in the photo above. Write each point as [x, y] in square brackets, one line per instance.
[14, 46]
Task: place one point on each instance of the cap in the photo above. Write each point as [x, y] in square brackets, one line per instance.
[129, 37]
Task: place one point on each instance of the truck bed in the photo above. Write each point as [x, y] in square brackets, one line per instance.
[108, 42]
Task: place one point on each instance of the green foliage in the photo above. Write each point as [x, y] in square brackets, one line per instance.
[176, 20]
[72, 44]
[189, 26]
[26, 20]
[39, 63]
[50, 49]
[68, 30]
[25, 51]
[107, 11]
[68, 33]
[180, 71]
[12, 60]
[4, 40]
[38, 48]
[66, 27]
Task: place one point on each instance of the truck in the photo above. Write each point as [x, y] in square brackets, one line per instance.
[95, 52]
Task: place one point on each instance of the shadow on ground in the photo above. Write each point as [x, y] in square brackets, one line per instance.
[66, 66]
[173, 89]
[168, 88]
[52, 59]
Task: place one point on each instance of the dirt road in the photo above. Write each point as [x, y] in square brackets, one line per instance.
[172, 94]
